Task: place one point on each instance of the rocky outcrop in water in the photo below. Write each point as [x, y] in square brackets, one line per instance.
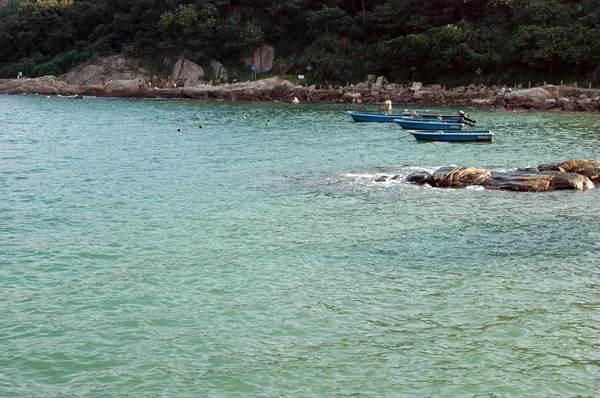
[575, 174]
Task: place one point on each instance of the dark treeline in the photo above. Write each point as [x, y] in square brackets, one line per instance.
[341, 40]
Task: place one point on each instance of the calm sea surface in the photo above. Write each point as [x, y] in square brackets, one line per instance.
[246, 259]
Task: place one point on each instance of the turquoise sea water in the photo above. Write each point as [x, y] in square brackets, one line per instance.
[246, 259]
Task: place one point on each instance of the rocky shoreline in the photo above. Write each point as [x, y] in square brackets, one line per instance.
[374, 91]
[574, 174]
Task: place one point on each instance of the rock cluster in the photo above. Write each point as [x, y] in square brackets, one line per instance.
[567, 97]
[574, 174]
[47, 85]
[118, 76]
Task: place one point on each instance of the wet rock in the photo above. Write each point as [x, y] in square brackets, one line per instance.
[528, 169]
[575, 174]
[518, 181]
[419, 178]
[571, 181]
[574, 165]
[592, 173]
[546, 167]
[458, 177]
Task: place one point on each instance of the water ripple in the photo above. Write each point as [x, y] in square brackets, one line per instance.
[245, 259]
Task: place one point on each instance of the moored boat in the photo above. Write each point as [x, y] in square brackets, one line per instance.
[373, 117]
[453, 135]
[409, 124]
[389, 118]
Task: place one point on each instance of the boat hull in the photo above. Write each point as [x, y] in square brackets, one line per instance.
[454, 136]
[389, 118]
[427, 125]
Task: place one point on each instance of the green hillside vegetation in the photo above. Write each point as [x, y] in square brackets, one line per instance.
[341, 40]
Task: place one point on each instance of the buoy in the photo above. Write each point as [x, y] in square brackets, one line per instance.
[179, 130]
[172, 113]
[201, 126]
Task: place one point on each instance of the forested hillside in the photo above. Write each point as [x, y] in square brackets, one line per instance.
[334, 40]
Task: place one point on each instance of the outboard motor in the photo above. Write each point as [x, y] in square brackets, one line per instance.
[466, 117]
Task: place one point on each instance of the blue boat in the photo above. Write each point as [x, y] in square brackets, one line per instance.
[389, 118]
[428, 125]
[453, 135]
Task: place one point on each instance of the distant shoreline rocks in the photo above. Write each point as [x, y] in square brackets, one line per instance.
[574, 174]
[375, 92]
[122, 77]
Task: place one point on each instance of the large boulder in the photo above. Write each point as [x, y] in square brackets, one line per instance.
[380, 82]
[349, 97]
[569, 181]
[518, 181]
[186, 73]
[282, 89]
[517, 97]
[416, 86]
[262, 58]
[536, 92]
[219, 73]
[122, 85]
[101, 69]
[592, 173]
[554, 91]
[542, 105]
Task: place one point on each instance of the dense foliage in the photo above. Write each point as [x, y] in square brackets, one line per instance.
[341, 40]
